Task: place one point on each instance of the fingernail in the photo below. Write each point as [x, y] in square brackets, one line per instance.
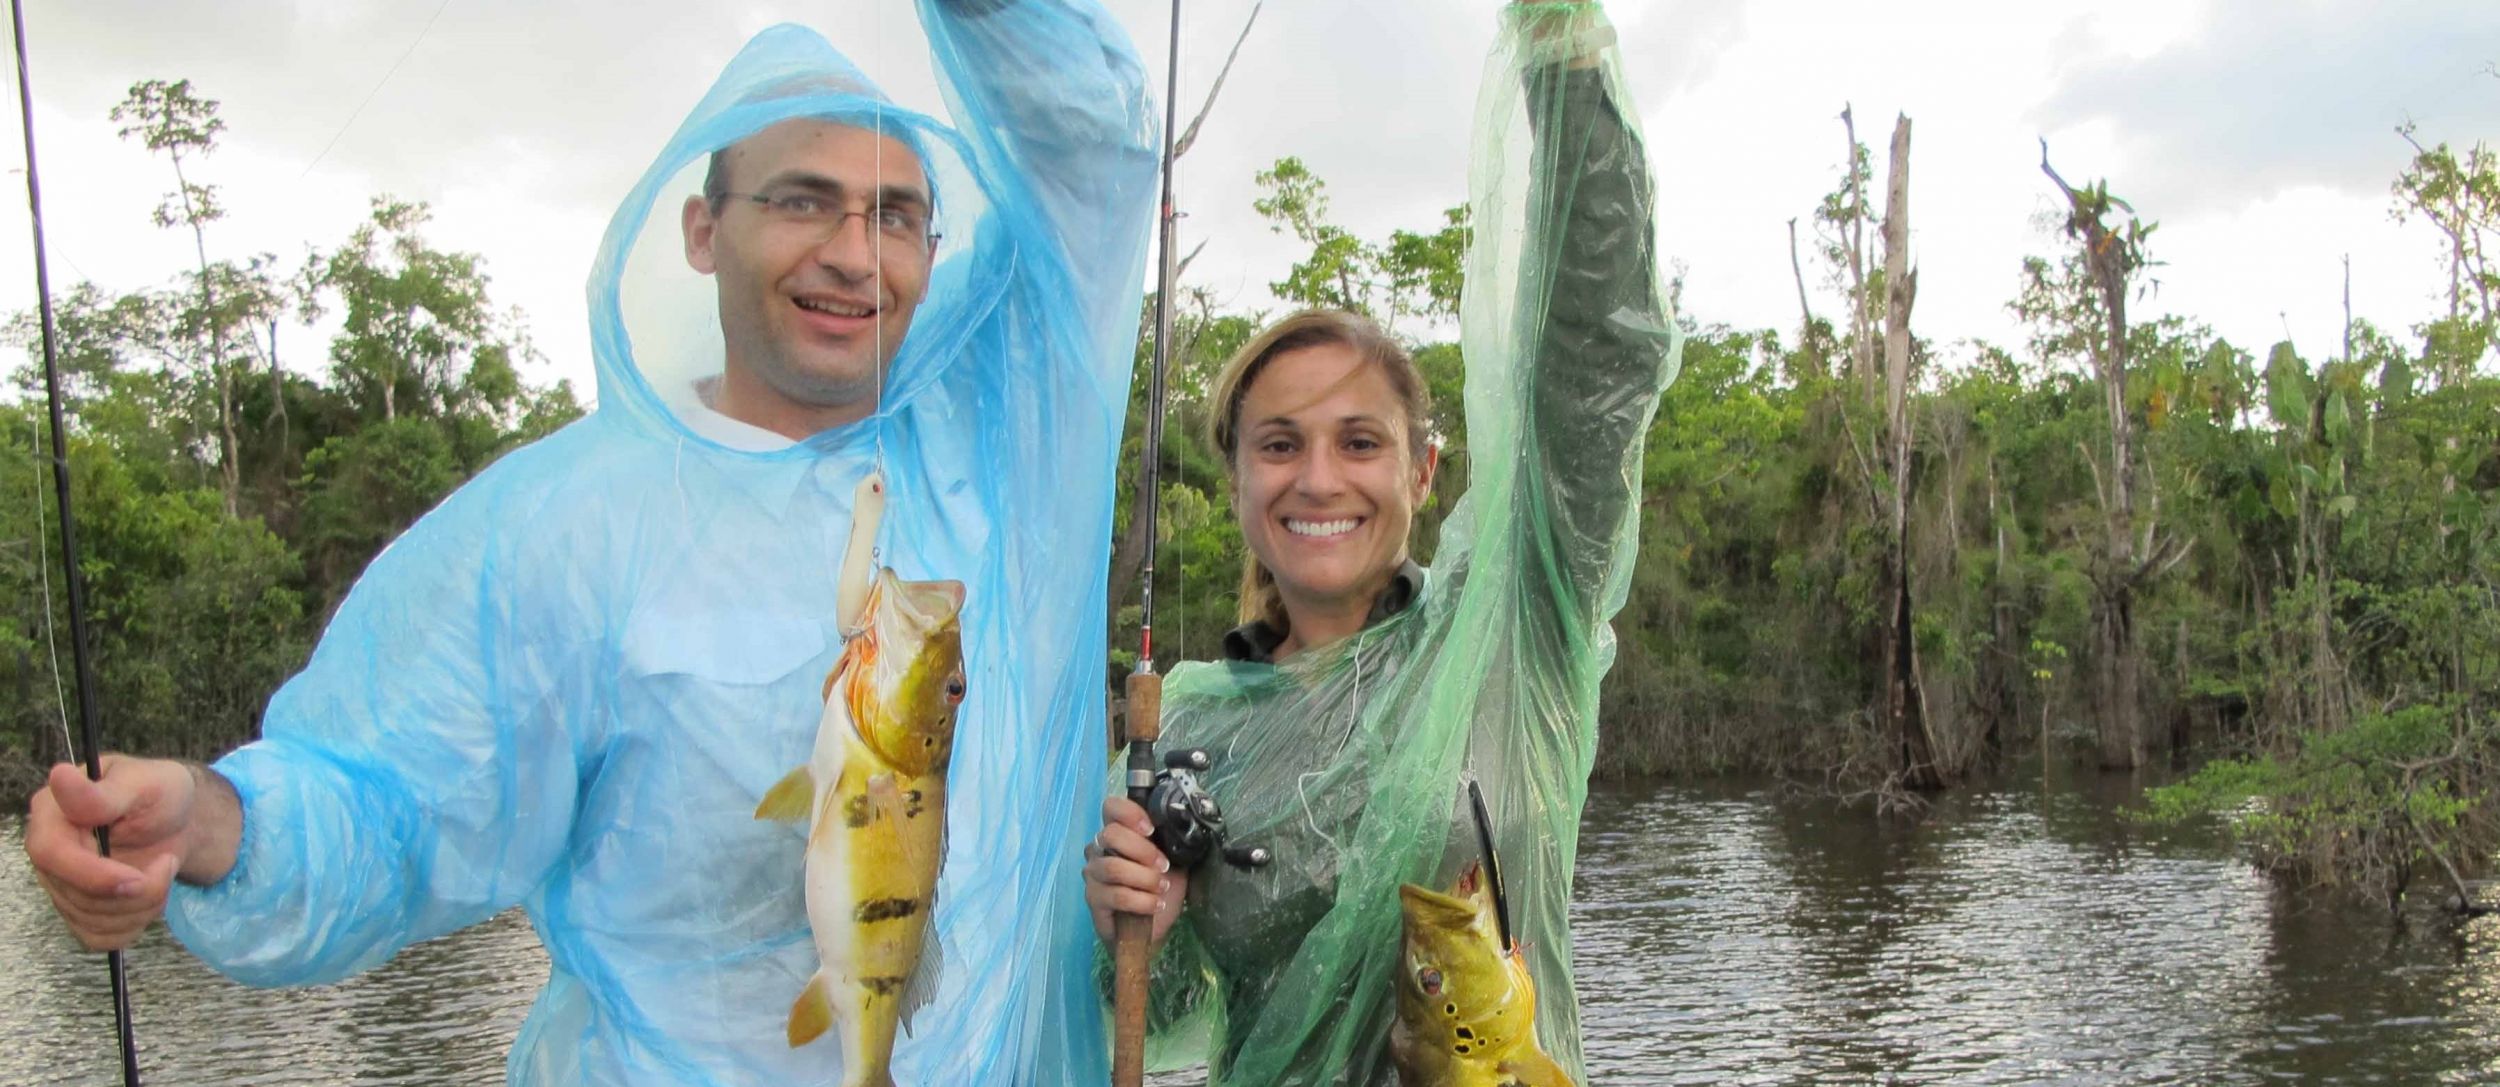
[1163, 864]
[1164, 887]
[127, 888]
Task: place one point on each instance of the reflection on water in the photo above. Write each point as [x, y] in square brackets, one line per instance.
[441, 1013]
[1721, 938]
[1725, 939]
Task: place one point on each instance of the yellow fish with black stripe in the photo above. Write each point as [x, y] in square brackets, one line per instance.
[874, 795]
[1466, 1006]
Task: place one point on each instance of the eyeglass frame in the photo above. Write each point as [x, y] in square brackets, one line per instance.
[842, 216]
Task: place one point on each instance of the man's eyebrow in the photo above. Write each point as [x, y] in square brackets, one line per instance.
[902, 195]
[888, 196]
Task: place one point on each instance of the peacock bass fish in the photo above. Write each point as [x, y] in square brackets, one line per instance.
[1466, 1006]
[873, 794]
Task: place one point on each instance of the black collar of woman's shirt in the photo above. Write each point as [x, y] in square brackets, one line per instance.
[1256, 640]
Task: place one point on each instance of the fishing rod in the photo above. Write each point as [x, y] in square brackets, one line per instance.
[69, 530]
[1132, 933]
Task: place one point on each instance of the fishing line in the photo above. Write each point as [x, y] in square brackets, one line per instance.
[377, 89]
[876, 255]
[68, 523]
[43, 575]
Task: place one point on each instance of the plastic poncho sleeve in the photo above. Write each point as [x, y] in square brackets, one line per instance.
[415, 778]
[1346, 760]
[1606, 348]
[1068, 119]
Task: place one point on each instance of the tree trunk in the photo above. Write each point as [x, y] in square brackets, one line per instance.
[2122, 726]
[277, 393]
[1861, 349]
[1904, 703]
[1805, 310]
[230, 468]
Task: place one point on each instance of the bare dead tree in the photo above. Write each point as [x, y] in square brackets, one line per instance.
[1904, 700]
[2111, 259]
[1805, 310]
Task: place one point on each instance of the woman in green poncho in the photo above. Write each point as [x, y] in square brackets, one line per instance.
[1361, 689]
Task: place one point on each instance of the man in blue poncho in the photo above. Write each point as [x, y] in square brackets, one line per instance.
[566, 688]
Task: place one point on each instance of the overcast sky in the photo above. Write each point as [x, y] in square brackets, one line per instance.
[2260, 133]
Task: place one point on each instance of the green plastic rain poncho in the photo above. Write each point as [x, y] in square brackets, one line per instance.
[567, 687]
[1347, 760]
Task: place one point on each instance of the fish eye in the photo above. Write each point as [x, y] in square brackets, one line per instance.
[954, 688]
[1430, 979]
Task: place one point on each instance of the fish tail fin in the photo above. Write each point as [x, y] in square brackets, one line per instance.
[790, 798]
[812, 1013]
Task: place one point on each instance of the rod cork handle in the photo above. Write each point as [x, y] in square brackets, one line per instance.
[1145, 708]
[1132, 934]
[1131, 959]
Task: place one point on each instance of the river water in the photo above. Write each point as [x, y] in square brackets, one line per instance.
[1723, 936]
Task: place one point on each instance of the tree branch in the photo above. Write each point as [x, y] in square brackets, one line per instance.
[1189, 136]
[1182, 268]
[1805, 310]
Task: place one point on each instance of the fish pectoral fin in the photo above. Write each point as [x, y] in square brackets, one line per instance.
[1535, 1069]
[812, 1013]
[925, 977]
[887, 798]
[791, 799]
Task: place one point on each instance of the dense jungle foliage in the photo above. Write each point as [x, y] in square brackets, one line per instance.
[2116, 544]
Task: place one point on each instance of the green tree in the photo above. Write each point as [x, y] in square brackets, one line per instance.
[210, 337]
[2460, 196]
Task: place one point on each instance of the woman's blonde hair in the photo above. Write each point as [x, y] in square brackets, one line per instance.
[1260, 600]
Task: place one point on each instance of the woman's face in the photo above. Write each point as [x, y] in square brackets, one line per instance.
[1324, 486]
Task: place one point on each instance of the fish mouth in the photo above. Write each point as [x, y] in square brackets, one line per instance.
[929, 603]
[1457, 907]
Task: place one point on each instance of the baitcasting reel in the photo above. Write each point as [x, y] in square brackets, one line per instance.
[1189, 825]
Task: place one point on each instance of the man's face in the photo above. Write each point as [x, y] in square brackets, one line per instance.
[814, 302]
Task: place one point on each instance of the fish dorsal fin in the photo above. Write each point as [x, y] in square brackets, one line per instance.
[926, 975]
[790, 799]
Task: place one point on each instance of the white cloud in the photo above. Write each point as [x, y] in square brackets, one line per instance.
[2258, 133]
[2266, 96]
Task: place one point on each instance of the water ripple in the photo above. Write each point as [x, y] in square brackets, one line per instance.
[1721, 937]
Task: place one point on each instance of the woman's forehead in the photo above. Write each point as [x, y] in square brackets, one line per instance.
[1322, 383]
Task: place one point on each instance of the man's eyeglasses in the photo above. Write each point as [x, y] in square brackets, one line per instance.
[822, 216]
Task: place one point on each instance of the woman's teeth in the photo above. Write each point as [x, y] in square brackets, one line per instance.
[1321, 528]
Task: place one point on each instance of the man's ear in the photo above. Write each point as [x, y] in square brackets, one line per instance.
[697, 223]
[1423, 479]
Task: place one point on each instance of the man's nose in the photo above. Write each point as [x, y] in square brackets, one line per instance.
[851, 250]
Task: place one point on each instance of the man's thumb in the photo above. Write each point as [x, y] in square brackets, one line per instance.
[87, 804]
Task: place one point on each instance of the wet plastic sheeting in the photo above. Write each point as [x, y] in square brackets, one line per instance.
[1347, 760]
[568, 686]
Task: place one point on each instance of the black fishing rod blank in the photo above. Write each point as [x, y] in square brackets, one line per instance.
[1132, 933]
[69, 530]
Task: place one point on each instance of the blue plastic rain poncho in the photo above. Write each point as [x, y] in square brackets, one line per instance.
[568, 686]
[1346, 760]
